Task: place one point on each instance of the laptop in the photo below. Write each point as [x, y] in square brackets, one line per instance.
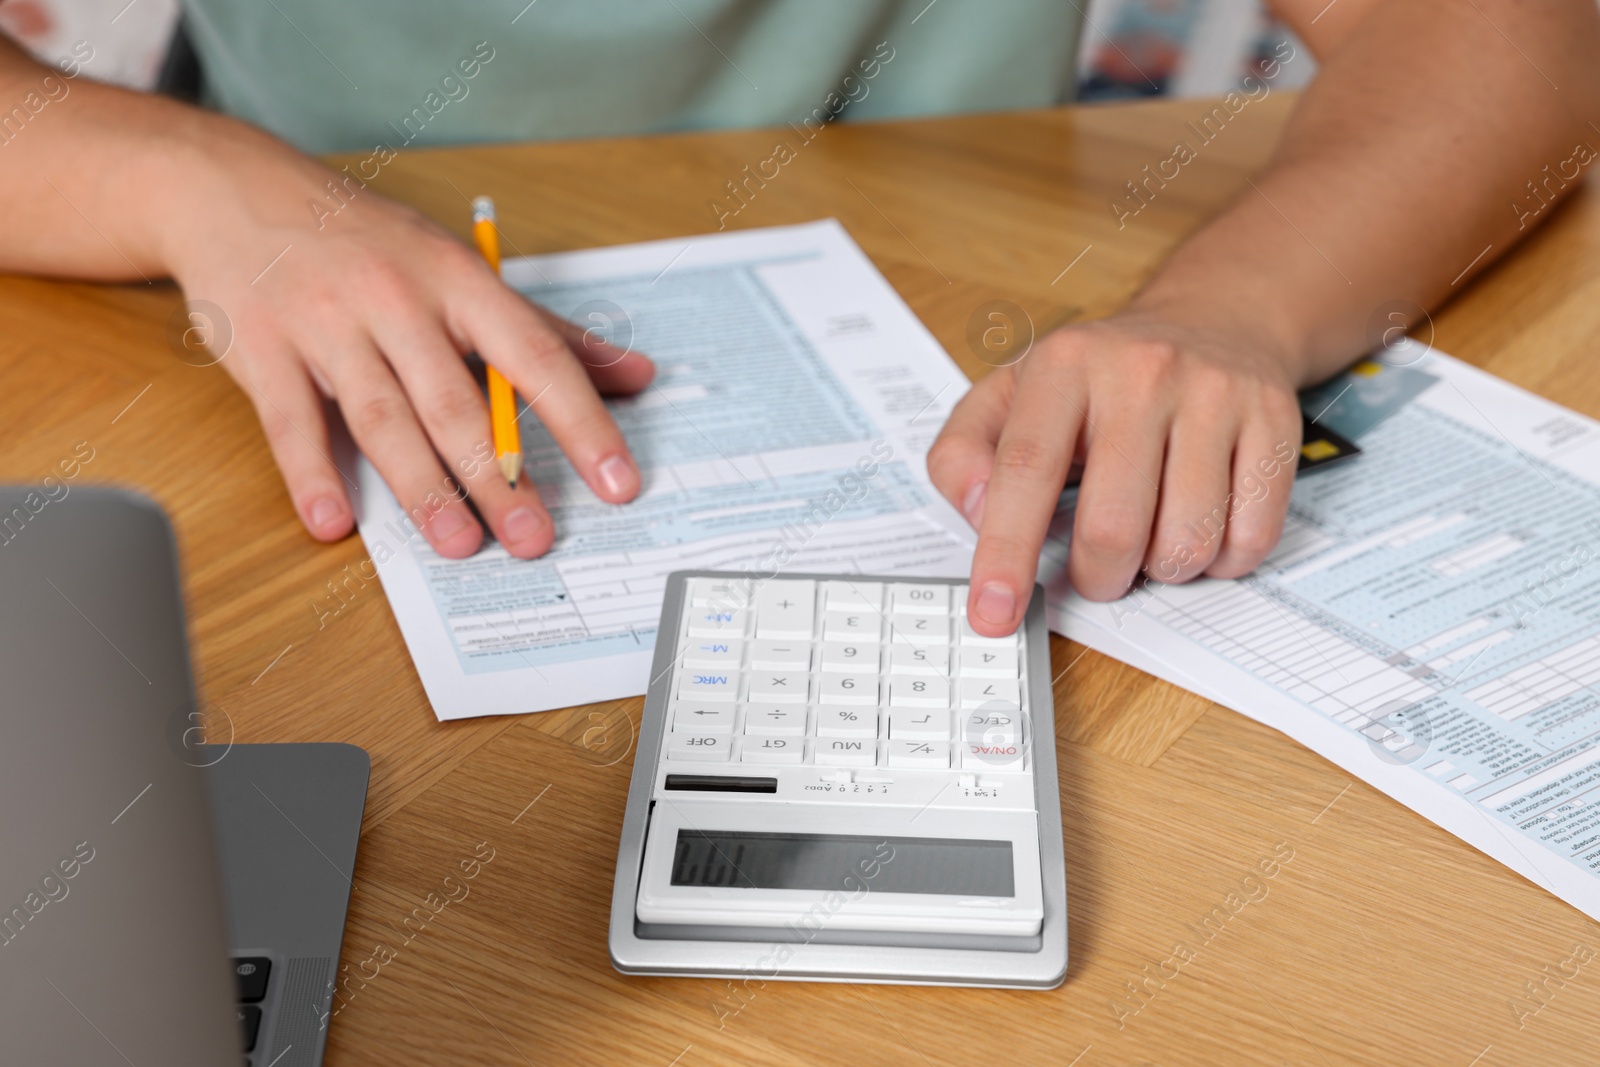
[165, 897]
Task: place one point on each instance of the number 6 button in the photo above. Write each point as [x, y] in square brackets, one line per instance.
[850, 689]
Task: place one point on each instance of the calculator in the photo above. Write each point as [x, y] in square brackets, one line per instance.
[838, 779]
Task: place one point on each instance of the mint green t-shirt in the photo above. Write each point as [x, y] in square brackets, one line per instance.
[338, 75]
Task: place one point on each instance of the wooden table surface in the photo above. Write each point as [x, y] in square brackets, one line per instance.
[1382, 940]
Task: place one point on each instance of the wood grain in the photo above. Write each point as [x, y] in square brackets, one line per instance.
[1382, 940]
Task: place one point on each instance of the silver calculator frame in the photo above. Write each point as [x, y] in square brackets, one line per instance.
[1039, 962]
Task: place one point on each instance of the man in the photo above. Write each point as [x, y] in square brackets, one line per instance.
[1427, 119]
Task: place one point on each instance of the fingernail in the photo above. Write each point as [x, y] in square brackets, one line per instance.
[447, 524]
[616, 476]
[996, 604]
[523, 525]
[325, 512]
[972, 507]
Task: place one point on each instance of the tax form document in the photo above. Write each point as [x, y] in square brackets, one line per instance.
[1430, 621]
[794, 402]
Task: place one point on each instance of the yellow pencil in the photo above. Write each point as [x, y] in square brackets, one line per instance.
[502, 398]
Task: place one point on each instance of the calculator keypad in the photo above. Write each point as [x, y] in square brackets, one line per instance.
[840, 673]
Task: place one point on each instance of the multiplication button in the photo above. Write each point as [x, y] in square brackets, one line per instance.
[780, 688]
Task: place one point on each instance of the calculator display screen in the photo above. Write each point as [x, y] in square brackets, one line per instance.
[843, 863]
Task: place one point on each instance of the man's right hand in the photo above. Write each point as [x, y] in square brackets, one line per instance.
[375, 311]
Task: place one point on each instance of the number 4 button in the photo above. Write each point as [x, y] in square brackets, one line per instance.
[989, 662]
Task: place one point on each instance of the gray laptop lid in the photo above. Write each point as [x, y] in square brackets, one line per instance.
[112, 933]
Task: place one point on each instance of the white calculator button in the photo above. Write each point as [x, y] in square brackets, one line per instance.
[853, 596]
[726, 653]
[712, 622]
[849, 689]
[779, 688]
[971, 638]
[934, 754]
[773, 750]
[781, 655]
[920, 599]
[720, 686]
[693, 717]
[920, 629]
[851, 625]
[983, 756]
[846, 752]
[976, 692]
[993, 727]
[785, 720]
[919, 724]
[858, 656]
[784, 610]
[704, 748]
[721, 592]
[988, 662]
[847, 722]
[920, 659]
[919, 692]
